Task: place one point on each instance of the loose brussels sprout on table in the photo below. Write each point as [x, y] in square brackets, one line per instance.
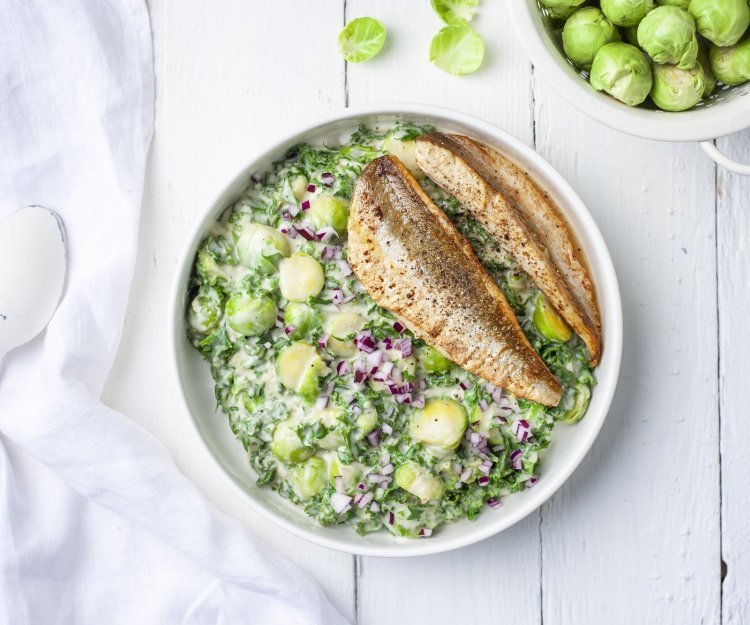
[623, 72]
[676, 54]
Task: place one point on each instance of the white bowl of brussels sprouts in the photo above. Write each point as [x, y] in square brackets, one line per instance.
[649, 68]
[569, 443]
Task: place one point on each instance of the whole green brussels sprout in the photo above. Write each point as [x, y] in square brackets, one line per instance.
[667, 34]
[441, 423]
[302, 317]
[626, 12]
[731, 65]
[623, 72]
[561, 8]
[418, 481]
[433, 361]
[723, 22]
[287, 446]
[250, 315]
[584, 33]
[261, 247]
[205, 310]
[308, 478]
[329, 210]
[678, 89]
[705, 63]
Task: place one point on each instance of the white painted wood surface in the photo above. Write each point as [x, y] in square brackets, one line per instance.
[639, 532]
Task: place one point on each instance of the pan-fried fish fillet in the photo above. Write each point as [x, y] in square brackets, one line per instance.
[523, 219]
[413, 261]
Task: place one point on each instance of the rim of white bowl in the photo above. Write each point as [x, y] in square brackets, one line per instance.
[608, 292]
[701, 123]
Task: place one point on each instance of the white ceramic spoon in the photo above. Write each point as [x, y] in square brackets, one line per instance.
[32, 274]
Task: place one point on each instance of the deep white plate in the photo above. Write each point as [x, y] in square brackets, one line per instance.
[569, 443]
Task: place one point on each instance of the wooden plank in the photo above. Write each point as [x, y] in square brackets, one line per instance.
[499, 576]
[230, 77]
[733, 226]
[634, 535]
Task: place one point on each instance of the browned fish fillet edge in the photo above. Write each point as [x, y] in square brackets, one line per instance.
[475, 175]
[517, 367]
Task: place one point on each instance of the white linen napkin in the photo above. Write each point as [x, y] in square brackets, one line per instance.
[96, 523]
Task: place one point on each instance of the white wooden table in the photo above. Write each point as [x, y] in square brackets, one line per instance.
[639, 533]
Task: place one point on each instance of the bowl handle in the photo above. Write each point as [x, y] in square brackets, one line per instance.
[722, 159]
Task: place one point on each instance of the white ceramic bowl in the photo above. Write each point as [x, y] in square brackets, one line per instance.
[570, 443]
[726, 112]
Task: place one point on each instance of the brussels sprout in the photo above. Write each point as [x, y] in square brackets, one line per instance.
[723, 22]
[457, 49]
[207, 267]
[405, 151]
[441, 423]
[623, 72]
[340, 326]
[261, 247]
[561, 8]
[683, 4]
[417, 480]
[299, 186]
[455, 11]
[287, 446]
[677, 89]
[205, 310]
[250, 315]
[630, 34]
[708, 72]
[584, 33]
[302, 317]
[299, 367]
[300, 277]
[580, 404]
[329, 210]
[667, 34]
[362, 39]
[481, 421]
[732, 64]
[367, 420]
[549, 323]
[433, 361]
[350, 473]
[626, 12]
[309, 478]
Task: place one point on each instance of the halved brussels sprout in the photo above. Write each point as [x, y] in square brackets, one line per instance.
[626, 12]
[667, 34]
[329, 210]
[367, 420]
[261, 247]
[457, 49]
[433, 361]
[299, 186]
[623, 72]
[299, 367]
[287, 446]
[731, 65]
[350, 473]
[723, 22]
[549, 323]
[417, 480]
[362, 39]
[205, 310]
[584, 33]
[302, 317]
[405, 151]
[300, 277]
[309, 478]
[339, 326]
[561, 8]
[441, 423]
[580, 404]
[250, 315]
[678, 89]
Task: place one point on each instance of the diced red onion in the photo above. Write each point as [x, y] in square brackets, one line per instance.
[374, 506]
[494, 503]
[326, 234]
[285, 214]
[483, 481]
[464, 477]
[305, 205]
[289, 330]
[311, 188]
[327, 179]
[365, 341]
[396, 375]
[374, 438]
[387, 343]
[521, 429]
[338, 480]
[290, 231]
[405, 346]
[398, 326]
[375, 478]
[361, 486]
[475, 438]
[373, 361]
[483, 468]
[391, 518]
[321, 402]
[464, 386]
[255, 177]
[344, 267]
[340, 503]
[267, 345]
[422, 384]
[387, 469]
[328, 253]
[385, 458]
[425, 532]
[483, 405]
[342, 367]
[497, 394]
[517, 459]
[387, 429]
[532, 481]
[307, 233]
[365, 500]
[357, 499]
[323, 341]
[418, 402]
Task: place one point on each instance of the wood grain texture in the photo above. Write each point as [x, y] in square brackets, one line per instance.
[229, 79]
[733, 253]
[634, 535]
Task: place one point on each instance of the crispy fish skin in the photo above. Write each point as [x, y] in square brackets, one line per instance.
[413, 261]
[518, 214]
